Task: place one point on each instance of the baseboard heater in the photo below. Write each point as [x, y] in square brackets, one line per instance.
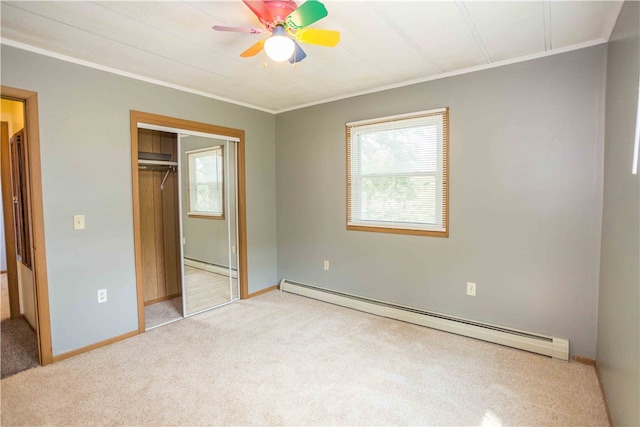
[212, 268]
[549, 346]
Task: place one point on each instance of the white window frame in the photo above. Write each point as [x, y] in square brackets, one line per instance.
[440, 228]
[191, 156]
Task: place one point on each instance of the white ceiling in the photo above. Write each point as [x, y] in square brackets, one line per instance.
[383, 43]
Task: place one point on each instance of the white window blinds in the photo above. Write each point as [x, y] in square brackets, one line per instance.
[397, 174]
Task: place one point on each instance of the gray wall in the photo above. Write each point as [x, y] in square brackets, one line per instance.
[525, 208]
[619, 304]
[86, 169]
[208, 239]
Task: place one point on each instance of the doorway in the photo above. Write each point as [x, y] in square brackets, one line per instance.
[189, 216]
[24, 225]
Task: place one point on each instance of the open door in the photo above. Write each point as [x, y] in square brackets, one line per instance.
[24, 218]
[9, 231]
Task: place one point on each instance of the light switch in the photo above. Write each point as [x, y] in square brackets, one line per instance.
[471, 289]
[78, 222]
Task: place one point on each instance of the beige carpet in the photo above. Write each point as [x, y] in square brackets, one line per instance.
[281, 359]
[205, 289]
[162, 312]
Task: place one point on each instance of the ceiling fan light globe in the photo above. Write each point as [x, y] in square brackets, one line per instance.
[279, 48]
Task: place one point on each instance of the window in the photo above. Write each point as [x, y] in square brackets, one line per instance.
[397, 174]
[206, 185]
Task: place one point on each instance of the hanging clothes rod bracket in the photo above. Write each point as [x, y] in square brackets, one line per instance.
[171, 168]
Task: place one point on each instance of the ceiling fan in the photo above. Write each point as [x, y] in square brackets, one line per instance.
[287, 23]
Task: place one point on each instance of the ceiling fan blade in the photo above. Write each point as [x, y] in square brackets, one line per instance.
[309, 12]
[238, 29]
[328, 38]
[298, 54]
[254, 50]
[260, 9]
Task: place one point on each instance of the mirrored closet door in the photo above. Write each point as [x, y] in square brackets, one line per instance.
[208, 221]
[188, 222]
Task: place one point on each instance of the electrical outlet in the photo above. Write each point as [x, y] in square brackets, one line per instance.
[102, 296]
[471, 289]
[233, 249]
[326, 264]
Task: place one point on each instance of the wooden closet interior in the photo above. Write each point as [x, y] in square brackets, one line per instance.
[159, 215]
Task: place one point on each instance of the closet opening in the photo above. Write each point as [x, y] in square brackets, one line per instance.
[189, 217]
[159, 226]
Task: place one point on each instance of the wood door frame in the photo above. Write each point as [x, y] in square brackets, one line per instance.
[171, 122]
[39, 258]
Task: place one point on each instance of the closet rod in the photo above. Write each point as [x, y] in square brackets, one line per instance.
[156, 165]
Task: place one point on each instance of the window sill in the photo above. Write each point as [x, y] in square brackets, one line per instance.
[205, 216]
[399, 231]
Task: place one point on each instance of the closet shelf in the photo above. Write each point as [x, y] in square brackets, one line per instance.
[156, 164]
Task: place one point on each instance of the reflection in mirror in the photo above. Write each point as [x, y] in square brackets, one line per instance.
[206, 182]
[208, 195]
